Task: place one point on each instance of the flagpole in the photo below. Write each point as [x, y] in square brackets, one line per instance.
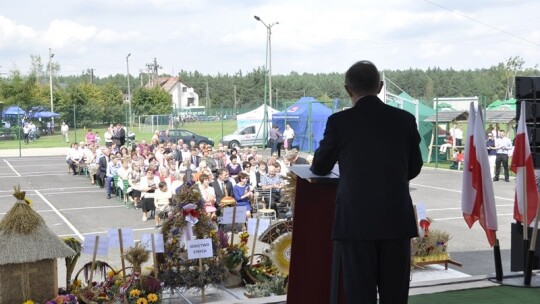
[498, 260]
[525, 227]
[527, 271]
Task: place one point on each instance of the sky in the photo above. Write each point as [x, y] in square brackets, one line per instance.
[309, 36]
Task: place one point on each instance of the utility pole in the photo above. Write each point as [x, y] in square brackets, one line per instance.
[129, 90]
[153, 69]
[234, 88]
[91, 70]
[207, 97]
[51, 55]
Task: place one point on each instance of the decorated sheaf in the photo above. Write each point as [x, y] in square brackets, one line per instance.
[188, 217]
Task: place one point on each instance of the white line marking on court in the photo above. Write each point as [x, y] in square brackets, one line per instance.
[7, 163]
[461, 217]
[459, 208]
[71, 226]
[38, 175]
[95, 207]
[56, 189]
[105, 232]
[456, 191]
[71, 192]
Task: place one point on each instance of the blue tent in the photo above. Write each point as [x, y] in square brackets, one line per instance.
[308, 119]
[13, 110]
[45, 114]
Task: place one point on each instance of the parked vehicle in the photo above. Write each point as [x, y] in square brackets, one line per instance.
[252, 135]
[175, 134]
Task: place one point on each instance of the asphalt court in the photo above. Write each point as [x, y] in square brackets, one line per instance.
[71, 206]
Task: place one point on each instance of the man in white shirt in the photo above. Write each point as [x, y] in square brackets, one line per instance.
[503, 145]
[65, 131]
[75, 155]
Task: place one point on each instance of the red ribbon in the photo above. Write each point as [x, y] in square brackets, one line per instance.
[424, 224]
[191, 212]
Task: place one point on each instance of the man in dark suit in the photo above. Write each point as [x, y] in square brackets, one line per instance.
[378, 153]
[102, 169]
[195, 158]
[222, 186]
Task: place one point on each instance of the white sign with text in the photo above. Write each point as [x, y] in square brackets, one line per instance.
[146, 241]
[90, 243]
[252, 224]
[228, 215]
[198, 249]
[127, 238]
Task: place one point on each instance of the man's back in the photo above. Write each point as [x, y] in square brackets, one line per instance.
[378, 153]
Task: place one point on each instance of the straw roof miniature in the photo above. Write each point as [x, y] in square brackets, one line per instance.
[24, 236]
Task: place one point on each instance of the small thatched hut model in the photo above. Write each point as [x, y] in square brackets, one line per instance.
[28, 253]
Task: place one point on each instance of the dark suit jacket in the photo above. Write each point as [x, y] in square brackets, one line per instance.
[219, 194]
[102, 169]
[377, 147]
[197, 160]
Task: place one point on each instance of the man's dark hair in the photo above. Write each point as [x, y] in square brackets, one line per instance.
[363, 76]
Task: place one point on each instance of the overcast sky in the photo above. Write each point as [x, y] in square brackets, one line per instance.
[221, 36]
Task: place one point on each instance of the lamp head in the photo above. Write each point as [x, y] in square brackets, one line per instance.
[257, 18]
[129, 54]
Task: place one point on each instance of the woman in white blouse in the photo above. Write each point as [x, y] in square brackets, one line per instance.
[208, 194]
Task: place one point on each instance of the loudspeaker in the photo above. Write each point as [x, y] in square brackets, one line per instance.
[532, 110]
[527, 87]
[516, 249]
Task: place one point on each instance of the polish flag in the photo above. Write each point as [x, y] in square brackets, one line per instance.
[522, 164]
[468, 193]
[482, 205]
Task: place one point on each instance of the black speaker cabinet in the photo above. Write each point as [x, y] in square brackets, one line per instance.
[532, 110]
[516, 251]
[528, 87]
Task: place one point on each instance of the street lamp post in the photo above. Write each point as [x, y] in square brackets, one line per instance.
[51, 55]
[269, 55]
[129, 89]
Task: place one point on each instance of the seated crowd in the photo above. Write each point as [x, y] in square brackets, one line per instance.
[146, 176]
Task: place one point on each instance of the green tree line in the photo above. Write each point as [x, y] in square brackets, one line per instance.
[102, 99]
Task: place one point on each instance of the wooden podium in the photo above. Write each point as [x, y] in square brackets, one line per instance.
[310, 274]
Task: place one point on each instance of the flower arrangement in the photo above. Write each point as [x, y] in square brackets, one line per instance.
[234, 255]
[176, 271]
[263, 270]
[274, 287]
[140, 289]
[431, 247]
[97, 292]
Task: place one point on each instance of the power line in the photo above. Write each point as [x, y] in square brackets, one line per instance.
[483, 23]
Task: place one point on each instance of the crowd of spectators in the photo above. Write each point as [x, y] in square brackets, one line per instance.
[147, 175]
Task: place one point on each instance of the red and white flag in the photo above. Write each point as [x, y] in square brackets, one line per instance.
[482, 206]
[467, 191]
[522, 164]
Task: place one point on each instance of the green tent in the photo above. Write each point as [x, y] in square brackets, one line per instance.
[425, 129]
[500, 105]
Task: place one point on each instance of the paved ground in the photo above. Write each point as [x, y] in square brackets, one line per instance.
[72, 206]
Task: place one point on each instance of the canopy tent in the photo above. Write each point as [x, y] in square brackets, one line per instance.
[500, 116]
[443, 106]
[307, 117]
[407, 103]
[254, 117]
[44, 114]
[13, 110]
[448, 116]
[501, 105]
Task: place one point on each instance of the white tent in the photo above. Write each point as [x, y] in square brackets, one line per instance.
[254, 117]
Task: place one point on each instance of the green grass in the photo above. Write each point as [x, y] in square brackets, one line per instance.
[212, 129]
